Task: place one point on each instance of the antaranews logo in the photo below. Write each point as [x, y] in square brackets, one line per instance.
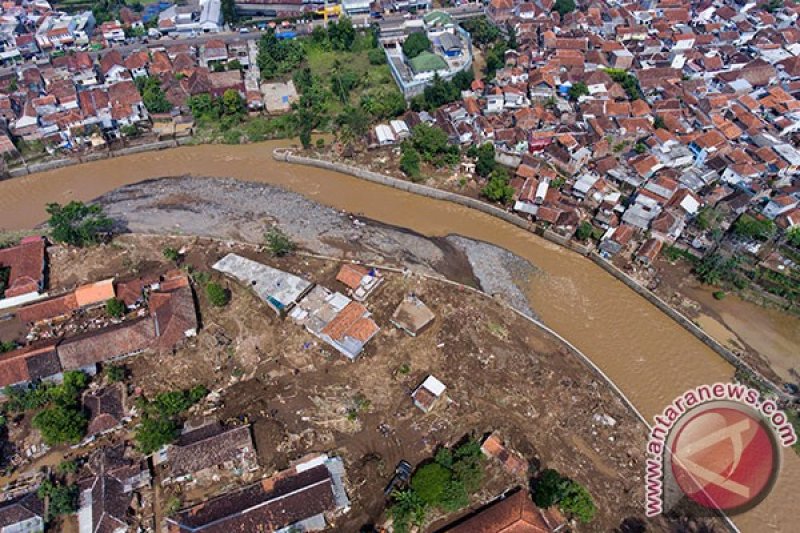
[718, 445]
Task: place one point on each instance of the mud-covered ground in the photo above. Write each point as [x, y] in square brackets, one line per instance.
[503, 374]
[231, 209]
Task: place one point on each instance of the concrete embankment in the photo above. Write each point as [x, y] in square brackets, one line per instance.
[33, 168]
[424, 190]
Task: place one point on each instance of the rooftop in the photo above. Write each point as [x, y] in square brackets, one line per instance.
[280, 290]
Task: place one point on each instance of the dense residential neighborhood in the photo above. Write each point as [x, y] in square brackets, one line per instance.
[638, 130]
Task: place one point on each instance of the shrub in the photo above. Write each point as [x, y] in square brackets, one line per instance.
[279, 243]
[171, 254]
[217, 295]
[115, 308]
[584, 231]
[67, 467]
[719, 295]
[376, 56]
[409, 162]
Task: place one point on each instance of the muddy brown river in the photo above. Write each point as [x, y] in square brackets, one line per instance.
[649, 356]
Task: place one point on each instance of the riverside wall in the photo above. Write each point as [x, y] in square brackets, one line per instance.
[430, 192]
[95, 156]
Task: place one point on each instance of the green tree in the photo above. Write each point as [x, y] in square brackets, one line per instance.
[115, 308]
[61, 499]
[577, 501]
[229, 14]
[59, 425]
[793, 236]
[549, 488]
[714, 269]
[67, 467]
[440, 92]
[217, 295]
[708, 218]
[407, 508]
[76, 223]
[341, 34]
[203, 106]
[343, 82]
[429, 141]
[485, 163]
[232, 103]
[276, 56]
[754, 228]
[584, 231]
[481, 30]
[409, 161]
[564, 6]
[577, 90]
[278, 242]
[415, 44]
[430, 482]
[154, 432]
[658, 123]
[498, 189]
[153, 96]
[376, 56]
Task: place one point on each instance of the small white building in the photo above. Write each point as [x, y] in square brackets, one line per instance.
[428, 393]
[384, 134]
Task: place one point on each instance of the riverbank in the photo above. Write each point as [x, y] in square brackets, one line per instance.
[738, 362]
[230, 209]
[623, 334]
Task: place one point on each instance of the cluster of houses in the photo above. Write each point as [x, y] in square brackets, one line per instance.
[33, 30]
[63, 334]
[116, 490]
[450, 53]
[75, 100]
[635, 118]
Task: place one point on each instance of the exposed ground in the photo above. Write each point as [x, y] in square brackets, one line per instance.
[503, 374]
[231, 209]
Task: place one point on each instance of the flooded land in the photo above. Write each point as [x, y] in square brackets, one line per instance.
[649, 356]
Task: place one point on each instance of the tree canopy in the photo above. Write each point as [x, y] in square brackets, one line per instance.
[445, 483]
[59, 424]
[577, 90]
[751, 227]
[498, 189]
[153, 96]
[415, 44]
[277, 57]
[564, 6]
[77, 223]
[551, 488]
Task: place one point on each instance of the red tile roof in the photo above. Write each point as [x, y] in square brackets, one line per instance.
[515, 514]
[26, 264]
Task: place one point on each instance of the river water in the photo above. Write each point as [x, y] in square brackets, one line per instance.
[649, 356]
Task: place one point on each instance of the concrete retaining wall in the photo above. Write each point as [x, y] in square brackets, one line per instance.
[430, 192]
[684, 321]
[95, 156]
